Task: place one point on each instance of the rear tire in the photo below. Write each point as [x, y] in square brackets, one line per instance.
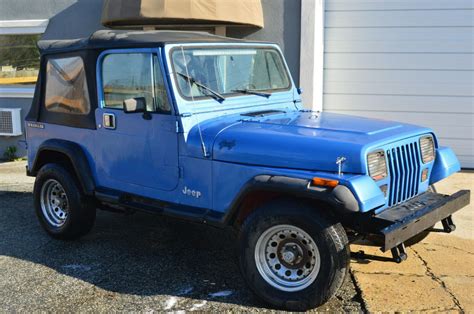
[305, 255]
[62, 209]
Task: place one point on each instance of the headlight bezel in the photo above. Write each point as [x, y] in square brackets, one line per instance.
[423, 151]
[379, 169]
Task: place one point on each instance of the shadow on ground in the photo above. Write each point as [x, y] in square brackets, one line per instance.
[140, 255]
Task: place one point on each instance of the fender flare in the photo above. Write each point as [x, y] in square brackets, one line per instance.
[340, 197]
[76, 156]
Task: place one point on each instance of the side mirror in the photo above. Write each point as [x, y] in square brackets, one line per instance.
[133, 105]
[299, 90]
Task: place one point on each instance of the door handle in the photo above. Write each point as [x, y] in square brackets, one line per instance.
[108, 120]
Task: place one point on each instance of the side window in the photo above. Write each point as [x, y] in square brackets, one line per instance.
[133, 75]
[66, 86]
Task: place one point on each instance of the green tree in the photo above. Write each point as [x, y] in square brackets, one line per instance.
[19, 51]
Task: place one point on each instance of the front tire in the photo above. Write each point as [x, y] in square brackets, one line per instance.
[292, 256]
[62, 209]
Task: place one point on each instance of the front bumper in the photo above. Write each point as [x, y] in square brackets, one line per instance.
[399, 223]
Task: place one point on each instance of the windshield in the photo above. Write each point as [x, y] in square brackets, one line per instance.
[229, 70]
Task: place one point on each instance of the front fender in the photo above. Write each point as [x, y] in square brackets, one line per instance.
[446, 163]
[355, 193]
[366, 191]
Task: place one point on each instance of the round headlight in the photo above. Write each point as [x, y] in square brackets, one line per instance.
[427, 148]
[377, 165]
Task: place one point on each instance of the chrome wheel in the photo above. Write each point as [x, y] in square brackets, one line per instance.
[287, 258]
[54, 203]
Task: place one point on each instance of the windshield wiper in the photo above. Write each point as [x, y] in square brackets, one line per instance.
[216, 95]
[252, 92]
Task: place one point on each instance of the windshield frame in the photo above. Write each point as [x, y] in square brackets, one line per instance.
[227, 46]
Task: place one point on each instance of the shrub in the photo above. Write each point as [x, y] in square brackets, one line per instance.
[10, 153]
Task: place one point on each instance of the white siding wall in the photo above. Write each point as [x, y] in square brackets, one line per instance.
[405, 60]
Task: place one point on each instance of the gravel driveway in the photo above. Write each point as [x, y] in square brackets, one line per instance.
[139, 262]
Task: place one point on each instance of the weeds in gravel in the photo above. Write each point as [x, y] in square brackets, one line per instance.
[10, 153]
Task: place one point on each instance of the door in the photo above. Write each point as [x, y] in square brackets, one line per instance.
[135, 150]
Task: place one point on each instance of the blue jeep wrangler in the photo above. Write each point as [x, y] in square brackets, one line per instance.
[212, 130]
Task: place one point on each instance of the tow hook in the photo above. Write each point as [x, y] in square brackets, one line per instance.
[399, 253]
[448, 224]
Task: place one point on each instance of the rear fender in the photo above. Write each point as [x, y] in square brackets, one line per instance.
[76, 156]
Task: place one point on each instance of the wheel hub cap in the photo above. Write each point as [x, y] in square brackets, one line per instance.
[287, 258]
[54, 203]
[292, 253]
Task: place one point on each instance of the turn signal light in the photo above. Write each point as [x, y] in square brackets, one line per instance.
[324, 182]
[424, 175]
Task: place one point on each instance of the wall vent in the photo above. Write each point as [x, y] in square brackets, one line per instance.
[10, 122]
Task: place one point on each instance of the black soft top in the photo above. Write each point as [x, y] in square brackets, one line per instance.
[89, 49]
[105, 39]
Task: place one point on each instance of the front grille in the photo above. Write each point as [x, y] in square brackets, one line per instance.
[404, 168]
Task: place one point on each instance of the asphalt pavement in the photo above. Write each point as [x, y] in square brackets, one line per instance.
[139, 262]
[147, 263]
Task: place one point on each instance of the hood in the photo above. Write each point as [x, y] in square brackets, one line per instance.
[300, 140]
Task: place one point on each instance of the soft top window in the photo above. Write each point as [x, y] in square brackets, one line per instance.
[66, 86]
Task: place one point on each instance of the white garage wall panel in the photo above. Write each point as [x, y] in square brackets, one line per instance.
[410, 61]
